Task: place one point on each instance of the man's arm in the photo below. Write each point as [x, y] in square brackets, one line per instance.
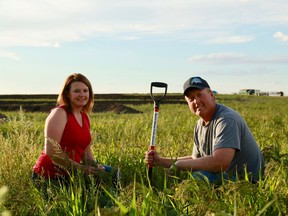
[217, 162]
[153, 157]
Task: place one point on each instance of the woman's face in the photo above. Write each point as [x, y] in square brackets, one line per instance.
[78, 94]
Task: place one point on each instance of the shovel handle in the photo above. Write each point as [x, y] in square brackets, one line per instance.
[150, 166]
[155, 117]
[158, 85]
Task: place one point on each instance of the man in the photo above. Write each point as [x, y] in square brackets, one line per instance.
[224, 146]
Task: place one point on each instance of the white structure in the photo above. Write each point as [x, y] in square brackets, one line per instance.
[258, 92]
[250, 91]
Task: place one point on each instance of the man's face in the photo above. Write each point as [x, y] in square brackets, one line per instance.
[201, 102]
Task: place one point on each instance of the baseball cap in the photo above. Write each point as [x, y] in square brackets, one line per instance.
[195, 82]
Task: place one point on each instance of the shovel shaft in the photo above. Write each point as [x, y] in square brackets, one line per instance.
[154, 127]
[155, 118]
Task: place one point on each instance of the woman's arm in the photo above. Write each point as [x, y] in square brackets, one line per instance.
[89, 159]
[54, 127]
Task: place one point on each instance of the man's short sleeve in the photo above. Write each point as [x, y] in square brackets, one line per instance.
[227, 134]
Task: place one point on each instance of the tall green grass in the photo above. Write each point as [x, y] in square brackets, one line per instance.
[122, 139]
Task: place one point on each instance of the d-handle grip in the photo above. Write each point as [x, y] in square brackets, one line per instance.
[158, 85]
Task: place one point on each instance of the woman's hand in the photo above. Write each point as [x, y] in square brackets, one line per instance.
[91, 170]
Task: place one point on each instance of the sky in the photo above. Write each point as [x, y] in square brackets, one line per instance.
[123, 46]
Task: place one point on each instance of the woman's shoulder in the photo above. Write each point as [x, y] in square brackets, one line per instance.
[56, 119]
[58, 112]
[59, 109]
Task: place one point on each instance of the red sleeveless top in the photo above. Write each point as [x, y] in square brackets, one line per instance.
[75, 139]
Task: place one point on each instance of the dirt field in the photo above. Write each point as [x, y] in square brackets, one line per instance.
[118, 103]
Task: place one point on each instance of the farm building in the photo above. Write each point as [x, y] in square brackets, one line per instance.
[272, 93]
[261, 93]
[250, 91]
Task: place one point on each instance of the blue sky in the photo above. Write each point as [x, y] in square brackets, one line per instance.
[122, 46]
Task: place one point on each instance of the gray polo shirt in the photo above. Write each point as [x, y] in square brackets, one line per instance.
[227, 129]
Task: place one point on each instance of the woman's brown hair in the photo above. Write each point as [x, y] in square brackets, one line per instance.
[63, 96]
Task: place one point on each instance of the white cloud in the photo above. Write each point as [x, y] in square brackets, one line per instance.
[231, 40]
[34, 22]
[9, 55]
[281, 36]
[217, 58]
[130, 38]
[54, 45]
[236, 58]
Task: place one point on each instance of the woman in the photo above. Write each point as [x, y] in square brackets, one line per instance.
[67, 147]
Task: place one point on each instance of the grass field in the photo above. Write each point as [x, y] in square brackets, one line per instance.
[122, 139]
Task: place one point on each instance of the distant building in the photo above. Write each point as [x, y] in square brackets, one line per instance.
[261, 93]
[276, 93]
[249, 91]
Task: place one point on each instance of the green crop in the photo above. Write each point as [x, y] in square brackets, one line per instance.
[122, 139]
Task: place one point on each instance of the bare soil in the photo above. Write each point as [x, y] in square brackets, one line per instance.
[2, 117]
[117, 103]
